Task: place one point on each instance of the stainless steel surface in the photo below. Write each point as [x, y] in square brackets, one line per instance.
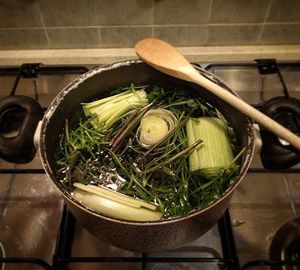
[263, 202]
[255, 88]
[206, 246]
[30, 207]
[47, 85]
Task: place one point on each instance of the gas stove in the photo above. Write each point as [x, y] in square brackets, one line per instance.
[38, 232]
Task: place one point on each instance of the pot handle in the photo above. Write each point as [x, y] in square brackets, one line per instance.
[19, 117]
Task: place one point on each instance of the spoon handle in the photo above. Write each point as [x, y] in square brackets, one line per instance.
[245, 108]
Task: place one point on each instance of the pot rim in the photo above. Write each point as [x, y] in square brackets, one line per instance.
[100, 69]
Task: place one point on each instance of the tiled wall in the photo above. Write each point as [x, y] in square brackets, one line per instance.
[55, 24]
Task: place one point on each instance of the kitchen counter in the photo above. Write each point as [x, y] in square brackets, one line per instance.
[194, 54]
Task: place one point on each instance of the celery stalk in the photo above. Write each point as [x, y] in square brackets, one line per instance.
[215, 155]
[193, 160]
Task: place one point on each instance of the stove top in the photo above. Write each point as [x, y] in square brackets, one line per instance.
[38, 232]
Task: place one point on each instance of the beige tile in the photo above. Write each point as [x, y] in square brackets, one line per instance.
[15, 13]
[232, 34]
[180, 12]
[68, 12]
[23, 39]
[238, 11]
[181, 35]
[124, 12]
[281, 34]
[120, 37]
[284, 11]
[69, 38]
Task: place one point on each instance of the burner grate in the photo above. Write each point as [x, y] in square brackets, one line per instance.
[62, 257]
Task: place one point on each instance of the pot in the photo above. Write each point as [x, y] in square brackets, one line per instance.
[138, 236]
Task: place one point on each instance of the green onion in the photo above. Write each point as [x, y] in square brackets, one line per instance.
[109, 110]
[215, 156]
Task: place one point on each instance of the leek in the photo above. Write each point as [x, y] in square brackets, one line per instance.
[108, 193]
[114, 204]
[109, 110]
[155, 125]
[215, 155]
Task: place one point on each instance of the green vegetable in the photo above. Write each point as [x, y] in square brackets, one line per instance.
[215, 155]
[114, 204]
[109, 110]
[97, 157]
[110, 194]
[155, 125]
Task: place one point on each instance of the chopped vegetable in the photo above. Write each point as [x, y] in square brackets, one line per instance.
[108, 110]
[114, 204]
[155, 125]
[102, 162]
[106, 192]
[215, 155]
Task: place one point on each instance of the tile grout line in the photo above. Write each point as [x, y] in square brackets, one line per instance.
[207, 22]
[289, 192]
[100, 37]
[98, 23]
[152, 18]
[209, 11]
[43, 24]
[147, 26]
[264, 22]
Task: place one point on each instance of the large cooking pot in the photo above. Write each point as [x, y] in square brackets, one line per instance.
[138, 236]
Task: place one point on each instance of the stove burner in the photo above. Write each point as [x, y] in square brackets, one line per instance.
[19, 116]
[293, 250]
[286, 245]
[277, 153]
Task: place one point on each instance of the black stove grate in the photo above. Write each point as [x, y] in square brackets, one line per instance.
[62, 258]
[62, 255]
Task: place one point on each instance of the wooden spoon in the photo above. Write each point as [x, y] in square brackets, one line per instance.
[167, 59]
